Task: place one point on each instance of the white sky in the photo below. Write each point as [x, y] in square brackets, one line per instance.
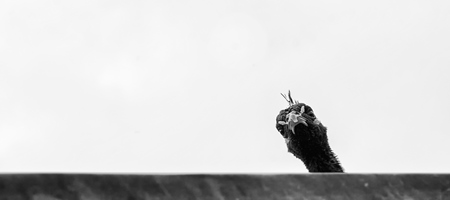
[194, 86]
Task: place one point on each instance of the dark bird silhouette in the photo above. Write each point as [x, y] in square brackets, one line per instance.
[306, 137]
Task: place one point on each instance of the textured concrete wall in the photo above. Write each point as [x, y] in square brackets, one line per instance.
[260, 187]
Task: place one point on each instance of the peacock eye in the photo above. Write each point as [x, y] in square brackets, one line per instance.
[311, 113]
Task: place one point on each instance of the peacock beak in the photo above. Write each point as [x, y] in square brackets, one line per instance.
[294, 119]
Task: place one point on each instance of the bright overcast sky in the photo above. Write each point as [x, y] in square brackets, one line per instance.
[194, 86]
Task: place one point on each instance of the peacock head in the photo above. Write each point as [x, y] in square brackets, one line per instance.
[298, 118]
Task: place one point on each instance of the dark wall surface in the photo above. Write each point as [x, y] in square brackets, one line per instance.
[260, 187]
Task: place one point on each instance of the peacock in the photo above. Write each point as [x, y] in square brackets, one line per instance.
[306, 137]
